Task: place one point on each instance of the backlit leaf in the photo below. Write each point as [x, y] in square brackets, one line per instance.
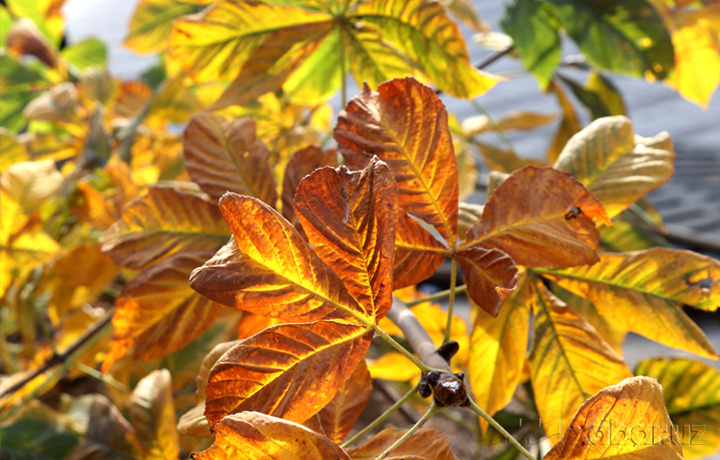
[349, 219]
[87, 53]
[157, 312]
[418, 254]
[498, 158]
[254, 436]
[290, 370]
[616, 166]
[30, 183]
[648, 288]
[490, 275]
[405, 124]
[569, 361]
[162, 223]
[497, 350]
[692, 397]
[223, 156]
[627, 421]
[152, 414]
[152, 22]
[339, 415]
[269, 269]
[540, 217]
[394, 367]
[425, 444]
[479, 124]
[622, 36]
[302, 163]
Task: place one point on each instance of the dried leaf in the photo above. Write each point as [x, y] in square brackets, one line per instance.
[223, 156]
[253, 436]
[269, 269]
[157, 312]
[405, 124]
[616, 166]
[349, 219]
[164, 222]
[418, 254]
[425, 444]
[490, 275]
[648, 287]
[626, 421]
[569, 361]
[152, 414]
[262, 373]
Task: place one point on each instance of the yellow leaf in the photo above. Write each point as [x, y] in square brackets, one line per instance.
[11, 150]
[394, 367]
[692, 397]
[152, 22]
[56, 105]
[31, 183]
[616, 166]
[627, 421]
[497, 350]
[569, 361]
[253, 436]
[223, 156]
[642, 291]
[472, 126]
[261, 372]
[152, 414]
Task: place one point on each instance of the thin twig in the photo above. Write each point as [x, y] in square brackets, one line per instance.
[434, 409]
[487, 61]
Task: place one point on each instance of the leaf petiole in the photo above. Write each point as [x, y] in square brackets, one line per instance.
[434, 409]
[475, 408]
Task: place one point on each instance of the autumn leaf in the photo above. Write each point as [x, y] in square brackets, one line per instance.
[405, 124]
[569, 361]
[616, 166]
[152, 414]
[152, 22]
[425, 444]
[479, 124]
[269, 372]
[692, 397]
[649, 287]
[490, 275]
[223, 156]
[302, 163]
[157, 312]
[418, 254]
[338, 417]
[540, 217]
[626, 421]
[254, 436]
[164, 222]
[497, 350]
[349, 219]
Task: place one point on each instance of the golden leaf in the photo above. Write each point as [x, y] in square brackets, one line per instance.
[490, 275]
[152, 414]
[418, 254]
[425, 444]
[302, 163]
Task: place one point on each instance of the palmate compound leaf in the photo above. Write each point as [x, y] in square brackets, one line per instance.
[617, 166]
[349, 219]
[642, 291]
[497, 350]
[692, 397]
[569, 361]
[290, 370]
[164, 222]
[223, 156]
[627, 421]
[541, 217]
[255, 436]
[425, 444]
[406, 125]
[157, 312]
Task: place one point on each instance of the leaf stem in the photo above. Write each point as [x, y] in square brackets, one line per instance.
[381, 418]
[475, 408]
[423, 367]
[434, 409]
[437, 296]
[451, 299]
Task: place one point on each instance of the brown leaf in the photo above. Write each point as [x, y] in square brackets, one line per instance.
[163, 222]
[426, 443]
[152, 413]
[490, 275]
[540, 217]
[24, 38]
[290, 371]
[253, 436]
[349, 219]
[158, 313]
[626, 421]
[405, 124]
[339, 415]
[418, 254]
[302, 163]
[223, 156]
[269, 269]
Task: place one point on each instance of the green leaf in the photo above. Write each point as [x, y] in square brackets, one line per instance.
[152, 22]
[29, 439]
[535, 34]
[89, 52]
[624, 36]
[692, 397]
